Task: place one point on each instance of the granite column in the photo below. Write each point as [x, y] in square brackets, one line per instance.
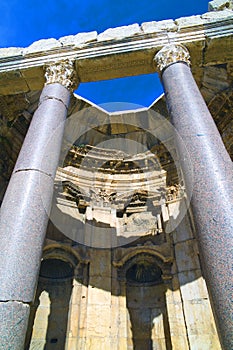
[209, 184]
[26, 205]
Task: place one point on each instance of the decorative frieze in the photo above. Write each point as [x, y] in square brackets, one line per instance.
[62, 72]
[170, 54]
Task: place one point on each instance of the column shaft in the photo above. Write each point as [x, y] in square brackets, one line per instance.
[212, 188]
[24, 213]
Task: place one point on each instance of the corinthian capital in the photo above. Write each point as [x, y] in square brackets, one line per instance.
[62, 72]
[170, 54]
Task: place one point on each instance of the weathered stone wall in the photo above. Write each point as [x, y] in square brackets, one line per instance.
[105, 310]
[189, 288]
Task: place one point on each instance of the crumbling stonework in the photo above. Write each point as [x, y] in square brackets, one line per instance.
[218, 5]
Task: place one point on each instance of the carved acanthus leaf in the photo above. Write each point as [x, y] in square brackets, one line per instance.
[62, 72]
[170, 54]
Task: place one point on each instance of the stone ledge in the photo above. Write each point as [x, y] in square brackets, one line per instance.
[220, 15]
[42, 45]
[119, 52]
[153, 27]
[83, 40]
[218, 5]
[79, 39]
[192, 21]
[120, 33]
[11, 52]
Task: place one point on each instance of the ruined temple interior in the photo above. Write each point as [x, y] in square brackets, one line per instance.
[120, 266]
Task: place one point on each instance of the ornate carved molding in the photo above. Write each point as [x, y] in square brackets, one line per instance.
[62, 72]
[144, 254]
[54, 250]
[170, 54]
[162, 253]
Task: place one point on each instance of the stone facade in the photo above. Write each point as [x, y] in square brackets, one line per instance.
[121, 266]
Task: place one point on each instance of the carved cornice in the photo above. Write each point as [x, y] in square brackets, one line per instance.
[62, 72]
[170, 54]
[206, 38]
[161, 252]
[60, 251]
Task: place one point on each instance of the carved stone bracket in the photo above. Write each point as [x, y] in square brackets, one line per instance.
[62, 72]
[170, 54]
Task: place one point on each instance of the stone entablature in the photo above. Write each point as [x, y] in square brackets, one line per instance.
[96, 56]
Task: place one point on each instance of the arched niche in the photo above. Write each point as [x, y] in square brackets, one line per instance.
[49, 316]
[142, 276]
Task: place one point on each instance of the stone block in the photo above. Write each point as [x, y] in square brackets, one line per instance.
[98, 320]
[34, 77]
[217, 15]
[157, 324]
[12, 83]
[215, 79]
[122, 343]
[76, 294]
[79, 39]
[176, 319]
[37, 343]
[10, 52]
[183, 230]
[74, 320]
[219, 5]
[154, 26]
[186, 256]
[82, 321]
[81, 343]
[192, 285]
[102, 267]
[195, 49]
[173, 296]
[213, 54]
[123, 318]
[114, 300]
[71, 343]
[152, 296]
[191, 21]
[100, 343]
[179, 342]
[119, 33]
[42, 45]
[199, 318]
[100, 296]
[177, 212]
[115, 326]
[205, 342]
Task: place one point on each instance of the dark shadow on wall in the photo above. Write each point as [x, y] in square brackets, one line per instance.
[49, 313]
[145, 295]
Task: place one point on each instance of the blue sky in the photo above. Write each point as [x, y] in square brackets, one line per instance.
[25, 21]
